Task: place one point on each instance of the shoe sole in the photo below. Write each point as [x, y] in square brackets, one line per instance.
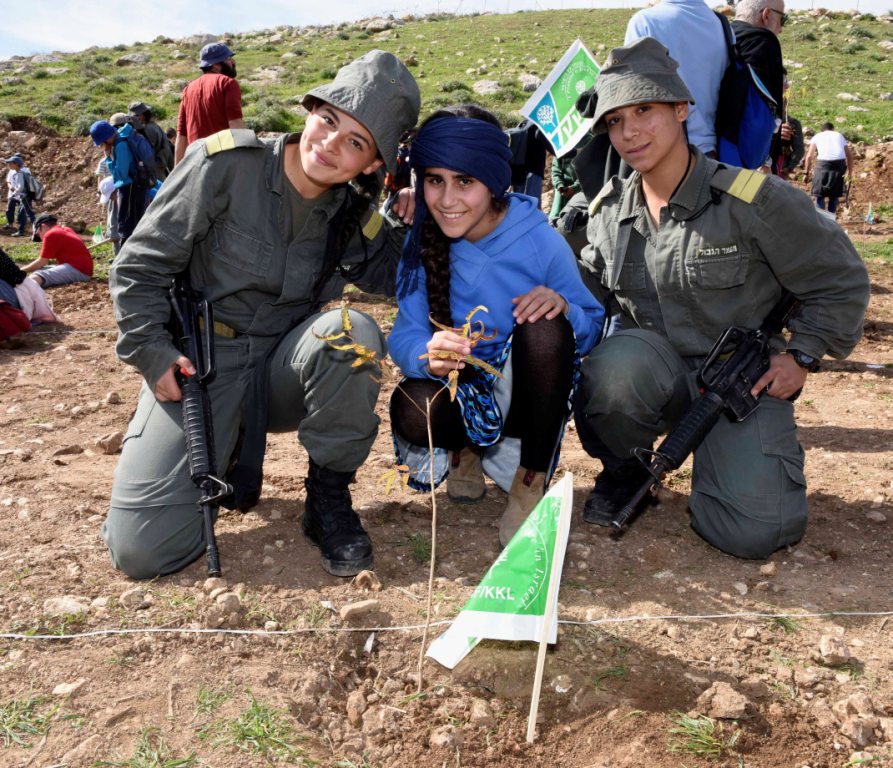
[465, 499]
[343, 568]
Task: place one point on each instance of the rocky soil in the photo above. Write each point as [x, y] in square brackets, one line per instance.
[791, 658]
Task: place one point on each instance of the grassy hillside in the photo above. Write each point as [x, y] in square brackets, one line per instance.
[826, 56]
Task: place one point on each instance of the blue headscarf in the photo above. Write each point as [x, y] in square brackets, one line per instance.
[462, 144]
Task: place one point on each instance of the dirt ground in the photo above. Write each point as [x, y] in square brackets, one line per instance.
[655, 624]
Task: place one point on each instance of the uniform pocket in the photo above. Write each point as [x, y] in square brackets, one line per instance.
[632, 277]
[719, 272]
[141, 416]
[241, 249]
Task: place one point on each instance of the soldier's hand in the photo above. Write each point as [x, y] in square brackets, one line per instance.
[403, 206]
[783, 378]
[536, 303]
[166, 388]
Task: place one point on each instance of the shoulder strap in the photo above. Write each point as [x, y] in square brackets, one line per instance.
[729, 35]
[230, 139]
[738, 182]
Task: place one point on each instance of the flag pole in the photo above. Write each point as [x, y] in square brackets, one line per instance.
[551, 601]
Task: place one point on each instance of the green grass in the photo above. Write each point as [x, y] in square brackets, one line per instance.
[620, 671]
[829, 54]
[151, 751]
[700, 736]
[21, 720]
[259, 729]
[209, 700]
[880, 251]
[783, 624]
[419, 547]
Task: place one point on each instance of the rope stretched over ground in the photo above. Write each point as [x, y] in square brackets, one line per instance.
[420, 627]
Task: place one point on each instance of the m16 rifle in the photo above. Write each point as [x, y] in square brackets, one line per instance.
[737, 361]
[194, 325]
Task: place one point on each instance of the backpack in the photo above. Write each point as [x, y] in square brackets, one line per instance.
[142, 168]
[745, 113]
[33, 188]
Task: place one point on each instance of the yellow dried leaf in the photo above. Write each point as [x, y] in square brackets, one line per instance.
[478, 363]
[345, 317]
[453, 379]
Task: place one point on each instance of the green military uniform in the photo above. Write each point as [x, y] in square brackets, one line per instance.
[727, 246]
[256, 250]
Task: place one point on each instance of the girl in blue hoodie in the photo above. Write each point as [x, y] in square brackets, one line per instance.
[474, 243]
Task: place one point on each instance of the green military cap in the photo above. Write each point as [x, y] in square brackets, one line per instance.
[639, 73]
[377, 90]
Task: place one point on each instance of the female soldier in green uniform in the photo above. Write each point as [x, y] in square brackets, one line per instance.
[683, 249]
[268, 231]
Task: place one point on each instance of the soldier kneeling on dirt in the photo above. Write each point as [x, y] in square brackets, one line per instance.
[683, 249]
[268, 231]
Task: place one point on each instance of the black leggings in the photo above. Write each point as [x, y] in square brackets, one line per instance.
[542, 375]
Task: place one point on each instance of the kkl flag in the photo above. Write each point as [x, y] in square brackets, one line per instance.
[553, 108]
[510, 602]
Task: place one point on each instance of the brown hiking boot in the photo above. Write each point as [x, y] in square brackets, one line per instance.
[465, 481]
[527, 489]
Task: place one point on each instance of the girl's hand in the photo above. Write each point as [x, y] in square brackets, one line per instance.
[447, 341]
[537, 303]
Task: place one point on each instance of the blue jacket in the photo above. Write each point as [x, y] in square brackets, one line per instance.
[121, 160]
[520, 254]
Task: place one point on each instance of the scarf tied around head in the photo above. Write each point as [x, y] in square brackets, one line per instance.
[461, 144]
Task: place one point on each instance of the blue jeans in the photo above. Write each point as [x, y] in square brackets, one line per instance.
[832, 203]
[24, 212]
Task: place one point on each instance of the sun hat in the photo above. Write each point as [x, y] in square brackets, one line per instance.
[214, 53]
[377, 90]
[101, 131]
[138, 108]
[119, 119]
[639, 73]
[106, 189]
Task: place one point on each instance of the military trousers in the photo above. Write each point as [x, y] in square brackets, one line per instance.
[748, 494]
[154, 525]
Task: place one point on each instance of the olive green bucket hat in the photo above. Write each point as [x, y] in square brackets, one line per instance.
[639, 73]
[378, 90]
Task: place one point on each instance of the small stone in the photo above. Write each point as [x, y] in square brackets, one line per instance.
[481, 714]
[768, 569]
[68, 450]
[23, 454]
[722, 701]
[353, 611]
[858, 731]
[878, 501]
[562, 683]
[69, 689]
[740, 587]
[112, 398]
[136, 598]
[876, 517]
[356, 706]
[367, 580]
[65, 606]
[212, 583]
[271, 626]
[833, 650]
[674, 632]
[445, 738]
[111, 443]
[275, 514]
[229, 602]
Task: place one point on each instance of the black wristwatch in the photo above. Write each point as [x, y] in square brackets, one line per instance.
[808, 362]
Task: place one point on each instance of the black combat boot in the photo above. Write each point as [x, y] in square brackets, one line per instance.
[331, 524]
[613, 489]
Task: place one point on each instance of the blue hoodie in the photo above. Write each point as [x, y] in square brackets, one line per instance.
[522, 252]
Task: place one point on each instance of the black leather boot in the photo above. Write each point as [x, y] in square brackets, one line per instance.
[613, 489]
[330, 522]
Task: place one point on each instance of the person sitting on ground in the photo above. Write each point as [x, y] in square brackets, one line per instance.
[18, 195]
[74, 264]
[132, 198]
[141, 116]
[832, 157]
[686, 248]
[273, 230]
[473, 243]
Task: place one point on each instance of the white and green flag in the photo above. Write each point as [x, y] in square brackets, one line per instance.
[510, 601]
[552, 106]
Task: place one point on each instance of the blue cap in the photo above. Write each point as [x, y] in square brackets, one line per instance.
[101, 131]
[214, 53]
[17, 159]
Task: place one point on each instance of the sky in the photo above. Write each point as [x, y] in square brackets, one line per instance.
[43, 26]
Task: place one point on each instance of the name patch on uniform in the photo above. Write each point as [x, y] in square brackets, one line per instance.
[717, 250]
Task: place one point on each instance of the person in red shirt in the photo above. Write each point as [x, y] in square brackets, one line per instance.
[62, 245]
[210, 103]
